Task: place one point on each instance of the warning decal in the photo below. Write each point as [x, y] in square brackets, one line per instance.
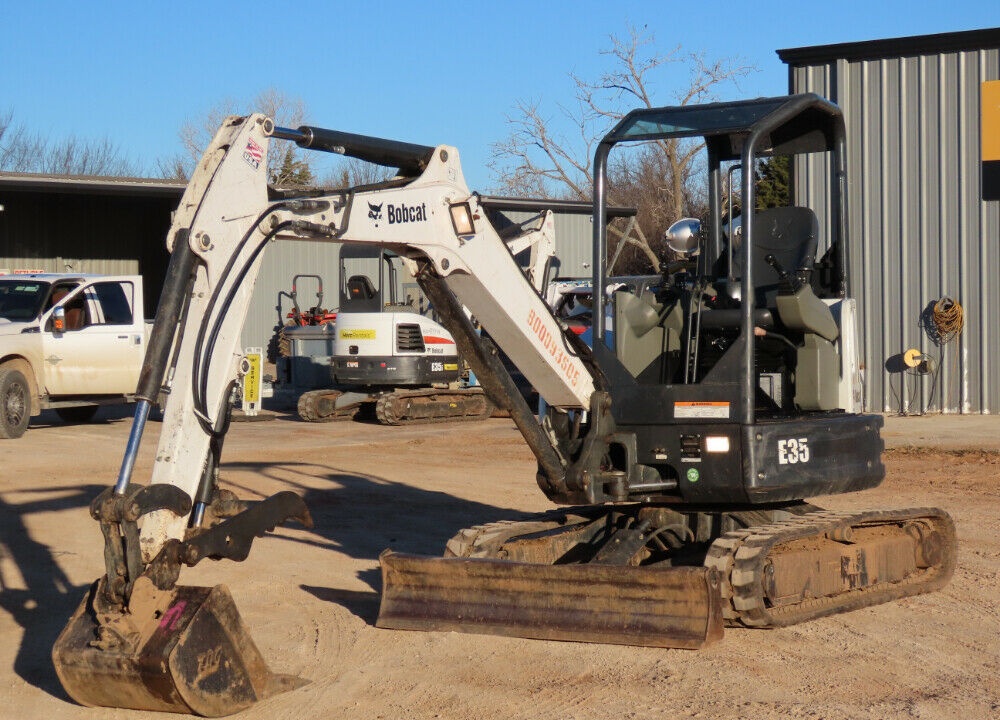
[706, 409]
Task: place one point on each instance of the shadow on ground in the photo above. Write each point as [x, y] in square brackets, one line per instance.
[49, 599]
[362, 515]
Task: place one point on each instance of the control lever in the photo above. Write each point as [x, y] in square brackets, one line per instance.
[676, 266]
[788, 283]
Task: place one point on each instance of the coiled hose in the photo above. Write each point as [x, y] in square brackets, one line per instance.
[948, 318]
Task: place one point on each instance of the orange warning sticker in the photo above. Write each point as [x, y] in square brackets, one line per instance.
[991, 120]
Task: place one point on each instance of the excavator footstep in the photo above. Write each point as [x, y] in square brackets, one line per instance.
[668, 607]
[196, 657]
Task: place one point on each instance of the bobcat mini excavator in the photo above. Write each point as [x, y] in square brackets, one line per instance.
[390, 358]
[684, 448]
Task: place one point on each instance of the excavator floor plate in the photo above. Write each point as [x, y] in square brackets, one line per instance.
[655, 607]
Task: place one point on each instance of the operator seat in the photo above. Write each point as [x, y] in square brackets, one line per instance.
[360, 287]
[791, 235]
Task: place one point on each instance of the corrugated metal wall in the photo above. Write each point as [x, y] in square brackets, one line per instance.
[574, 240]
[918, 228]
[118, 231]
[283, 260]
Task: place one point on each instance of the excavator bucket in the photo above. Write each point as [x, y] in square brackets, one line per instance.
[189, 653]
[669, 607]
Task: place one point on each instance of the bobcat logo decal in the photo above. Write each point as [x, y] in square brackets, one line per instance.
[375, 211]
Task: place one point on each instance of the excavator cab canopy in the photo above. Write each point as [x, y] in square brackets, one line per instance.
[740, 132]
[787, 125]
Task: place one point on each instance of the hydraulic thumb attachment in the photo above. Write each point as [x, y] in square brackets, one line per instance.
[674, 607]
[139, 640]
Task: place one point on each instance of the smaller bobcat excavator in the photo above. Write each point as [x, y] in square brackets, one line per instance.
[683, 447]
[390, 357]
[385, 358]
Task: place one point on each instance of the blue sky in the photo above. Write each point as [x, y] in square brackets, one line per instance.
[424, 72]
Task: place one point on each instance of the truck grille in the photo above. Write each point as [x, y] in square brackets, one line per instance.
[409, 338]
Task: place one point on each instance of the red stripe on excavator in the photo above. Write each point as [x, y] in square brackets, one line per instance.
[434, 340]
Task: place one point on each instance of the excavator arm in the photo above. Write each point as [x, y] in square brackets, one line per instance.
[225, 222]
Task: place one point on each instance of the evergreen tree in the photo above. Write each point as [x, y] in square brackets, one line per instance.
[772, 182]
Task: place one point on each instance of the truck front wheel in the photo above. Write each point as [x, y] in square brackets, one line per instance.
[15, 403]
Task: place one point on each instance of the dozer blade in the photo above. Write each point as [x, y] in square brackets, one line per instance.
[189, 654]
[670, 607]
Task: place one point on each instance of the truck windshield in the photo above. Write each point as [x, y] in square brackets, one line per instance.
[21, 300]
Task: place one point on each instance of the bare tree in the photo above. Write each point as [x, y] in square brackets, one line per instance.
[174, 168]
[352, 172]
[73, 156]
[655, 178]
[22, 151]
[284, 163]
[16, 148]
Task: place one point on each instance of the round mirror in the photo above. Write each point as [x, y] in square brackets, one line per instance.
[733, 230]
[684, 236]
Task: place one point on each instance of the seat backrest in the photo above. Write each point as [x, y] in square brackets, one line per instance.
[791, 235]
[360, 287]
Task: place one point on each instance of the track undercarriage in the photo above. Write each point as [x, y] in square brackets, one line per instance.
[769, 567]
[397, 407]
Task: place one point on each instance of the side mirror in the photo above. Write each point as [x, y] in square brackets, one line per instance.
[59, 320]
[684, 236]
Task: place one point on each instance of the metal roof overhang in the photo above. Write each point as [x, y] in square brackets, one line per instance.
[96, 185]
[969, 40]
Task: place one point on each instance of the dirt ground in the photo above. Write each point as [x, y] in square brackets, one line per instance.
[311, 597]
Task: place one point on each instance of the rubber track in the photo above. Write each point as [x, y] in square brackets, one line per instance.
[308, 407]
[485, 540]
[388, 410]
[741, 559]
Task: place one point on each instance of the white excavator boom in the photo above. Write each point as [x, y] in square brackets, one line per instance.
[434, 219]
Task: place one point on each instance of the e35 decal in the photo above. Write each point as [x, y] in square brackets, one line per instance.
[793, 451]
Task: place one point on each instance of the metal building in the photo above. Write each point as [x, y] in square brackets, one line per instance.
[57, 223]
[119, 226]
[922, 223]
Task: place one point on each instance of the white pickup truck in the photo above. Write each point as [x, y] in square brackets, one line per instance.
[67, 342]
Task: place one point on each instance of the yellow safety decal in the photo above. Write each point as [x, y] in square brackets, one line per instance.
[357, 334]
[251, 379]
[990, 124]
